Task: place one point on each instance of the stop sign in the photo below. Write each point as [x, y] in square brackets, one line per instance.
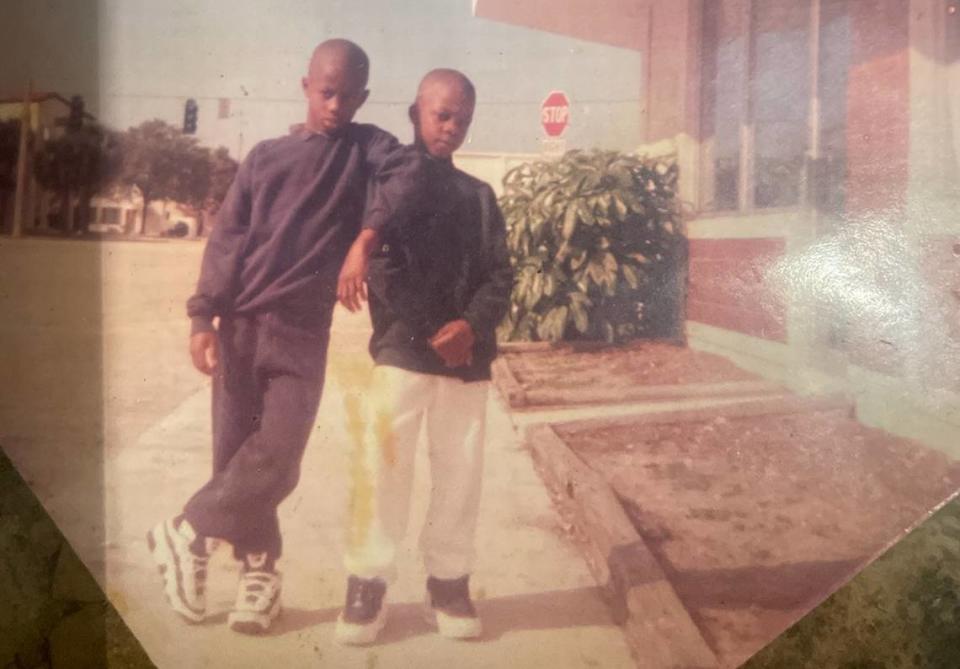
[555, 113]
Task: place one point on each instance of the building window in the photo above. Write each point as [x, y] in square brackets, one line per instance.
[780, 100]
[833, 69]
[761, 94]
[110, 216]
[724, 100]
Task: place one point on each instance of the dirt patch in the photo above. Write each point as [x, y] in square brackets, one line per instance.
[609, 374]
[756, 520]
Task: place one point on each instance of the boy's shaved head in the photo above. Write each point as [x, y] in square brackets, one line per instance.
[335, 85]
[451, 80]
[443, 111]
[341, 54]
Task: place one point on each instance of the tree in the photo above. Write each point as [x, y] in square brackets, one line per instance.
[76, 165]
[164, 164]
[9, 151]
[223, 169]
[596, 245]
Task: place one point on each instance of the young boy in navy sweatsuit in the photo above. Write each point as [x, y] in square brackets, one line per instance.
[268, 278]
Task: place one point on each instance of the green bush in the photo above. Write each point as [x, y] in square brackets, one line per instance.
[596, 245]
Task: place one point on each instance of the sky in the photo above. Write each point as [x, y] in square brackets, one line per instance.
[139, 59]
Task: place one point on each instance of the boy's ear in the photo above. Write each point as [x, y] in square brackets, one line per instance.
[412, 113]
[363, 97]
[304, 83]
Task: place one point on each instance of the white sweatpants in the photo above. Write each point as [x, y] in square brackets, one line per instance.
[399, 404]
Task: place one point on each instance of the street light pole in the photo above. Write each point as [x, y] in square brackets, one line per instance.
[20, 195]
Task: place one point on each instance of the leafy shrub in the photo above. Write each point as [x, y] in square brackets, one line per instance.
[597, 251]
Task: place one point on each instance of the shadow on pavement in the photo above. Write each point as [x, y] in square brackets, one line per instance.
[556, 609]
[785, 586]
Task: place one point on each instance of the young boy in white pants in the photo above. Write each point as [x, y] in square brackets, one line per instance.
[439, 283]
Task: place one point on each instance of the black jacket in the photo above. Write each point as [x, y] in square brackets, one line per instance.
[442, 257]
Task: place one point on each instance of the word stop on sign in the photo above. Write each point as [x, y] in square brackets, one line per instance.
[555, 113]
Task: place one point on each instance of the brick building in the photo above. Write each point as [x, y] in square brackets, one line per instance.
[818, 144]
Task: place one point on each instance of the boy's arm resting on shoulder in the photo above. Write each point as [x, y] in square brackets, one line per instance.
[396, 186]
[491, 300]
[221, 257]
[380, 147]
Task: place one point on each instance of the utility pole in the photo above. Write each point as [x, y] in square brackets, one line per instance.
[20, 195]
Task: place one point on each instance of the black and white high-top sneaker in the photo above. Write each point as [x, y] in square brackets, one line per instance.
[365, 614]
[449, 607]
[182, 558]
[258, 596]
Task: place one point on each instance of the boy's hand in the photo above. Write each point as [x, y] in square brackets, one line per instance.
[454, 343]
[351, 285]
[204, 351]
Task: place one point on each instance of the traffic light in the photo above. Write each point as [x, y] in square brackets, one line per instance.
[190, 117]
[75, 120]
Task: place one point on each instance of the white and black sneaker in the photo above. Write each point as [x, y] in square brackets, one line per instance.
[258, 596]
[182, 556]
[364, 615]
[450, 608]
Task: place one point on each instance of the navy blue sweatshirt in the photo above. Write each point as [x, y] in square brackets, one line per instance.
[286, 224]
[442, 257]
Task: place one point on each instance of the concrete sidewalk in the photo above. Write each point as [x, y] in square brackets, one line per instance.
[109, 425]
[539, 605]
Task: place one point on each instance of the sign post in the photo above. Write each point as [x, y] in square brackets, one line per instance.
[20, 194]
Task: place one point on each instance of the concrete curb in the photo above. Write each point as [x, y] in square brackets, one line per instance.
[508, 385]
[521, 397]
[657, 625]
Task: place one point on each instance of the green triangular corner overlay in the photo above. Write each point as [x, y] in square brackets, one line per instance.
[54, 614]
[901, 612]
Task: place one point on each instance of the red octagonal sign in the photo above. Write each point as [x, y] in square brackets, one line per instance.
[555, 113]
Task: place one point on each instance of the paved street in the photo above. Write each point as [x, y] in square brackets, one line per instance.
[103, 415]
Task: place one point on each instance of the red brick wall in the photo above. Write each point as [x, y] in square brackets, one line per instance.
[727, 289]
[878, 106]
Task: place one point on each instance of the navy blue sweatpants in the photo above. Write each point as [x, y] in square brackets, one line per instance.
[266, 392]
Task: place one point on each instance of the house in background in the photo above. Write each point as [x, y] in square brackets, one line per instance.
[818, 147]
[46, 113]
[119, 210]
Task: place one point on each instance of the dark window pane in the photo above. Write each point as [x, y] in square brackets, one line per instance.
[724, 107]
[832, 74]
[110, 216]
[780, 90]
